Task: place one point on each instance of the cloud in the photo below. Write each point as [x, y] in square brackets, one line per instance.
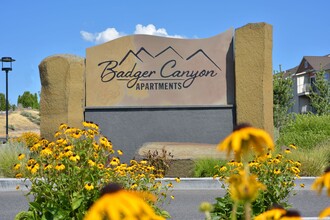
[112, 33]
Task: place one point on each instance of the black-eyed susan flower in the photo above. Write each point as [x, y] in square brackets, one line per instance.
[291, 215]
[172, 197]
[91, 163]
[89, 186]
[48, 167]
[277, 171]
[17, 166]
[177, 179]
[74, 157]
[244, 139]
[322, 181]
[46, 151]
[100, 166]
[275, 213]
[19, 175]
[287, 151]
[120, 152]
[293, 146]
[223, 169]
[116, 204]
[302, 185]
[21, 156]
[60, 167]
[34, 168]
[244, 187]
[325, 213]
[63, 126]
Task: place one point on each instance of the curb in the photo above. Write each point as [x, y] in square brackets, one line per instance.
[206, 183]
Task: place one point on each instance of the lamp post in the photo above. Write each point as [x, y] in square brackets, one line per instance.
[7, 66]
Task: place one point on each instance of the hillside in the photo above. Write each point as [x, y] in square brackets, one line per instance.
[19, 122]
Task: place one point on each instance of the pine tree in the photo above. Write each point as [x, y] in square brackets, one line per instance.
[320, 94]
[282, 98]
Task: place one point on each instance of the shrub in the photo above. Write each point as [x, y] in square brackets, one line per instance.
[207, 167]
[76, 166]
[8, 157]
[27, 138]
[305, 131]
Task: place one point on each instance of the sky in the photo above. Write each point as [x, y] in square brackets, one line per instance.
[30, 31]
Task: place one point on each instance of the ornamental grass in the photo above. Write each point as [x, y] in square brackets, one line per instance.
[68, 174]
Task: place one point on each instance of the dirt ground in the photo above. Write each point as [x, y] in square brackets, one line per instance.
[17, 123]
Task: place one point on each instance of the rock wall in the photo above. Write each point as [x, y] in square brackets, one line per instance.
[253, 75]
[62, 93]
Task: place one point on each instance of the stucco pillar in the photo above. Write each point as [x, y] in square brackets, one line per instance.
[253, 69]
[62, 93]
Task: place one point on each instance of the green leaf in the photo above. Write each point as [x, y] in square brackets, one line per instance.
[76, 202]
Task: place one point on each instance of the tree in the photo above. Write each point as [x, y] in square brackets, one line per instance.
[320, 94]
[282, 98]
[28, 100]
[2, 102]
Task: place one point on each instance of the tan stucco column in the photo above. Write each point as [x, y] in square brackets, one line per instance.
[253, 75]
[62, 93]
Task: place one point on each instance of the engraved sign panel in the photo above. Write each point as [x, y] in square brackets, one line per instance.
[144, 70]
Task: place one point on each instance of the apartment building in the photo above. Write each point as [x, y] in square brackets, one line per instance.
[303, 79]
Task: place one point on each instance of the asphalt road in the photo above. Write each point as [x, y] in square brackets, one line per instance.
[184, 206]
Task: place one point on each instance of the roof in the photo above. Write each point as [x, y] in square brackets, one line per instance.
[318, 62]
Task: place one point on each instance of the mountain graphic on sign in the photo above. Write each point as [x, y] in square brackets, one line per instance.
[200, 51]
[167, 49]
[136, 55]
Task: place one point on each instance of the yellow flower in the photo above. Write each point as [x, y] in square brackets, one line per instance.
[293, 146]
[275, 213]
[177, 179]
[324, 213]
[46, 151]
[277, 171]
[243, 139]
[63, 126]
[322, 181]
[17, 166]
[115, 161]
[302, 185]
[21, 156]
[34, 168]
[48, 167]
[172, 197]
[244, 187]
[133, 186]
[74, 158]
[35, 147]
[223, 169]
[100, 166]
[115, 203]
[291, 215]
[96, 147]
[91, 163]
[60, 167]
[120, 152]
[287, 151]
[89, 186]
[105, 143]
[19, 175]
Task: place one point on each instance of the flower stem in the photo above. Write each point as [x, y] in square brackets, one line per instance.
[247, 209]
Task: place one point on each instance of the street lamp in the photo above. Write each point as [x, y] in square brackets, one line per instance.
[7, 66]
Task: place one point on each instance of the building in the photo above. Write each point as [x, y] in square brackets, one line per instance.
[303, 78]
